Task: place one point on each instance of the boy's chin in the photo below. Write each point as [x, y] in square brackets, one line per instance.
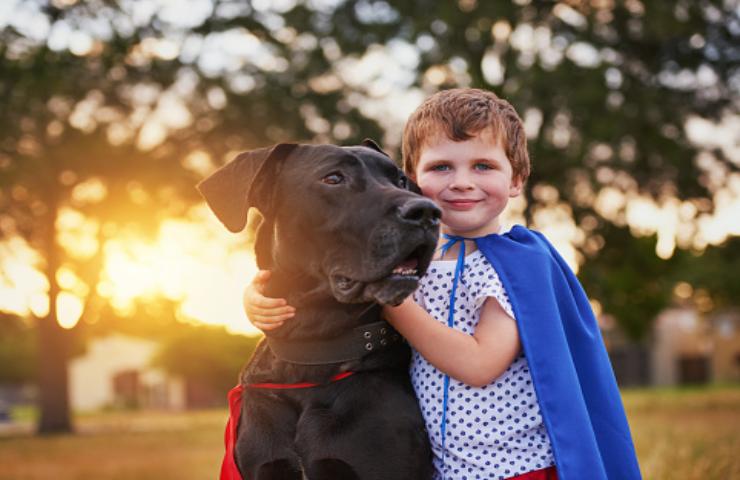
[469, 226]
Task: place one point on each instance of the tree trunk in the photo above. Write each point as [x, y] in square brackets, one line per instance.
[53, 339]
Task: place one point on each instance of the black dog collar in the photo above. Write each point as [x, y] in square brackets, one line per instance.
[353, 345]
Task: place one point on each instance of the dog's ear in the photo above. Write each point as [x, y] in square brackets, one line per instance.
[231, 189]
[369, 143]
[410, 184]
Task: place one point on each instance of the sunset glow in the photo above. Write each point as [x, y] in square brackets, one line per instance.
[196, 264]
[186, 265]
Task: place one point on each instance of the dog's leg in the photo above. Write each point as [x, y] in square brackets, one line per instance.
[279, 470]
[360, 436]
[264, 447]
[331, 469]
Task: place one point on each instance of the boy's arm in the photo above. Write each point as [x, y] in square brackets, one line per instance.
[474, 360]
[263, 312]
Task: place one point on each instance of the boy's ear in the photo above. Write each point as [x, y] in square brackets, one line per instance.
[369, 143]
[517, 184]
[232, 189]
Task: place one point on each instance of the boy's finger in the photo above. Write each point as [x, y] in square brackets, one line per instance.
[254, 301]
[261, 278]
[271, 323]
[270, 312]
[261, 320]
[253, 297]
[263, 275]
[267, 326]
[267, 302]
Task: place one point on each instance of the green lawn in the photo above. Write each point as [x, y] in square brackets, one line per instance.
[679, 435]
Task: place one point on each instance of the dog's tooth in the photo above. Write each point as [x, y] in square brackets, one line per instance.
[405, 271]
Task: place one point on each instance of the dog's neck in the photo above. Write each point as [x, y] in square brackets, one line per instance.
[314, 305]
[310, 295]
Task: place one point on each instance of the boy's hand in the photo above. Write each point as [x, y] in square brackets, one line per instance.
[265, 313]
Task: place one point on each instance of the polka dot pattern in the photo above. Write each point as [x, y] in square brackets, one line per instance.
[493, 432]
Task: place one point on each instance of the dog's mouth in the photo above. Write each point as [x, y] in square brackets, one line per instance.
[390, 288]
[409, 267]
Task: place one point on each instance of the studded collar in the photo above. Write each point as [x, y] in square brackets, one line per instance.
[353, 345]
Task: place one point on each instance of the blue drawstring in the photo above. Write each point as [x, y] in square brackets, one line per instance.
[451, 241]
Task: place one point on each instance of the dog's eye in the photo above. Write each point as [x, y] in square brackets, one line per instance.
[403, 182]
[333, 179]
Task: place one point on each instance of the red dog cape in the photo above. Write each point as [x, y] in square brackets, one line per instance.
[229, 470]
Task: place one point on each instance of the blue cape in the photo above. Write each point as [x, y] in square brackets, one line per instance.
[578, 396]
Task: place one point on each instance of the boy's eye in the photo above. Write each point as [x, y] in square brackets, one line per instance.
[334, 178]
[483, 166]
[440, 168]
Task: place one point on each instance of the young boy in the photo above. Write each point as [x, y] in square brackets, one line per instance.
[509, 367]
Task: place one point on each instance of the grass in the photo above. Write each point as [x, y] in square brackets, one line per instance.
[120, 446]
[684, 434]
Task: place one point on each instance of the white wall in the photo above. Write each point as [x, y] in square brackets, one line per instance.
[91, 375]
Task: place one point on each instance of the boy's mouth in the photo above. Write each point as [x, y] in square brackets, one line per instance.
[462, 204]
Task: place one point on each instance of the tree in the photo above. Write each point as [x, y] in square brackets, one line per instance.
[605, 88]
[630, 281]
[59, 115]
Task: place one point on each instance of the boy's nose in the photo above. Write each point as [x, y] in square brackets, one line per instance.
[461, 182]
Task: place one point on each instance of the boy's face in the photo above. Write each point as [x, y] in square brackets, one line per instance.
[471, 181]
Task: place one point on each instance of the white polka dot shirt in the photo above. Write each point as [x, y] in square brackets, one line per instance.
[492, 432]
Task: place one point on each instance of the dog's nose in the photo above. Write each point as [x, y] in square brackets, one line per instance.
[420, 211]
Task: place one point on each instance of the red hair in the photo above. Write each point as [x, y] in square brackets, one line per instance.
[461, 114]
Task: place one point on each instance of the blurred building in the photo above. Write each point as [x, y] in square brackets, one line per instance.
[726, 346]
[690, 348]
[685, 348]
[116, 372]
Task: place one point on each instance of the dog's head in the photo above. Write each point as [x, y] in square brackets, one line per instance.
[345, 217]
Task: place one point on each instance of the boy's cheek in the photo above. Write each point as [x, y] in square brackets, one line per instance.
[421, 181]
[427, 192]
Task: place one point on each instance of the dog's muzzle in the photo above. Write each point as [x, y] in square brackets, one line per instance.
[401, 249]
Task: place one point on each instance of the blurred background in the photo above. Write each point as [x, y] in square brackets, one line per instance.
[121, 327]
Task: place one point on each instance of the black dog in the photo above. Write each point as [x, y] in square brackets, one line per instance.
[342, 232]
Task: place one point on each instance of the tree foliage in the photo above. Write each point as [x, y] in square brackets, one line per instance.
[17, 350]
[606, 90]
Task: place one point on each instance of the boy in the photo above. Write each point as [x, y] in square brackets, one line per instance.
[509, 368]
